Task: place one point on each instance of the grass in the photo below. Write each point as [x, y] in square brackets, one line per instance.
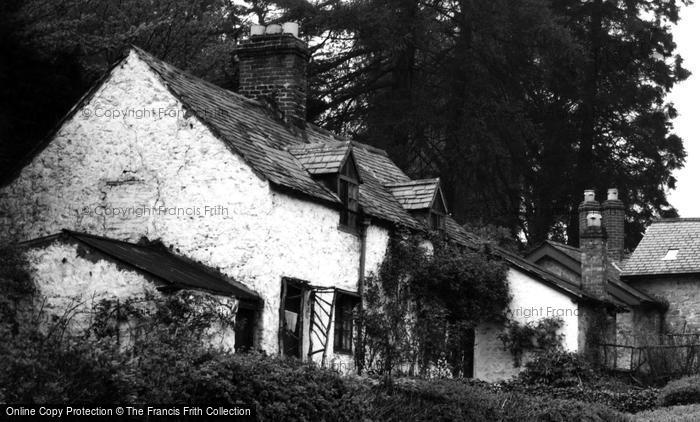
[686, 413]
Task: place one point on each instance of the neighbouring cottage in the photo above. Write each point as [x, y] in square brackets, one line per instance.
[666, 265]
[598, 263]
[157, 181]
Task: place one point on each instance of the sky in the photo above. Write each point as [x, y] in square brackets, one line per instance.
[686, 97]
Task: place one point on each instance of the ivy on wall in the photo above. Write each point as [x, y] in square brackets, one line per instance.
[423, 304]
[541, 335]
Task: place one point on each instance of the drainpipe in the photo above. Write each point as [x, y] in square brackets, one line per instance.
[360, 345]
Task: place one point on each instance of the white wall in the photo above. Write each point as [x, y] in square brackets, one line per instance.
[209, 204]
[70, 283]
[532, 300]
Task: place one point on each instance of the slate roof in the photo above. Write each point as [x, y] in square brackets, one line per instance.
[248, 127]
[164, 265]
[415, 194]
[560, 283]
[620, 292]
[321, 158]
[682, 234]
[283, 154]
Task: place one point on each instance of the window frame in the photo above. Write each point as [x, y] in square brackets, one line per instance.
[348, 190]
[344, 323]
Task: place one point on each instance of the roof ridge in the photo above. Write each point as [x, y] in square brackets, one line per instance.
[563, 245]
[677, 220]
[414, 182]
[150, 56]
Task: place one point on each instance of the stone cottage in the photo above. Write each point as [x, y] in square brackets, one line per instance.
[666, 265]
[598, 265]
[158, 180]
[156, 172]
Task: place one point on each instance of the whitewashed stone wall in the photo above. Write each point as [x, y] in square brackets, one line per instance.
[70, 284]
[532, 300]
[165, 176]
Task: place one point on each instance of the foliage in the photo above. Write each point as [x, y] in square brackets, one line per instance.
[690, 413]
[421, 308]
[170, 364]
[559, 368]
[541, 335]
[582, 85]
[16, 287]
[623, 398]
[682, 391]
[420, 400]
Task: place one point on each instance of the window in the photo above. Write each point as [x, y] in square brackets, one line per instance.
[670, 255]
[349, 193]
[437, 221]
[436, 218]
[344, 323]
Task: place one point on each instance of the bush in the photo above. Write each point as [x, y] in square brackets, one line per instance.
[690, 413]
[456, 400]
[559, 368]
[683, 391]
[629, 399]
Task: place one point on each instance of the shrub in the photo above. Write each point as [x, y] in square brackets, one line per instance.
[689, 413]
[629, 399]
[683, 391]
[559, 368]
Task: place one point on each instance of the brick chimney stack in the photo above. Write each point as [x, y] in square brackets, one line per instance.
[614, 224]
[593, 257]
[593, 248]
[272, 66]
[589, 204]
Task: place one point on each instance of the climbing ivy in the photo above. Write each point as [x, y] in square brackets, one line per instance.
[541, 335]
[423, 304]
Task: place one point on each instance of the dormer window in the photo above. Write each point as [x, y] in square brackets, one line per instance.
[349, 193]
[333, 165]
[423, 200]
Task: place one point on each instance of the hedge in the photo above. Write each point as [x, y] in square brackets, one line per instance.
[682, 391]
[164, 370]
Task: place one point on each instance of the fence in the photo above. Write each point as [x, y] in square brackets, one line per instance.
[674, 355]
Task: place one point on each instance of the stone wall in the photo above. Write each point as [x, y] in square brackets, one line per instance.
[683, 296]
[132, 162]
[532, 301]
[71, 280]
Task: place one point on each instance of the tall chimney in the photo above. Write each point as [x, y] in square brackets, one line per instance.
[593, 256]
[272, 65]
[614, 224]
[589, 204]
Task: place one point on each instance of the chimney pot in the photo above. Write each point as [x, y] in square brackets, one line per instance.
[594, 219]
[612, 194]
[257, 30]
[588, 195]
[291, 28]
[273, 29]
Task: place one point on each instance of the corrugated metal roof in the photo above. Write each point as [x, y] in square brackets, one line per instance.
[159, 262]
[681, 234]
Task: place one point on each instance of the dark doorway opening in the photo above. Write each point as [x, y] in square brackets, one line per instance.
[291, 318]
[245, 330]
